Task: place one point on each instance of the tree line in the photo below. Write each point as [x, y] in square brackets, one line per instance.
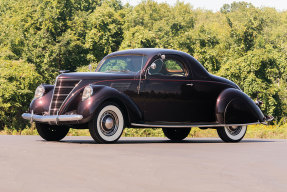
[241, 42]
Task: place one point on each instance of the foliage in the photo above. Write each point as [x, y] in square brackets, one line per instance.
[104, 32]
[18, 80]
[240, 42]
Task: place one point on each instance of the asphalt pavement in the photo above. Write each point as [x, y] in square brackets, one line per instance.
[28, 163]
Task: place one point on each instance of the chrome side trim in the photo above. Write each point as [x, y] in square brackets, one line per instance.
[191, 125]
[71, 79]
[51, 118]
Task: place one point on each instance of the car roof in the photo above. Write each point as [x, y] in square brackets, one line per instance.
[148, 52]
[151, 52]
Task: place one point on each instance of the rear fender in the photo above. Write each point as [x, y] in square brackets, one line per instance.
[235, 107]
[102, 94]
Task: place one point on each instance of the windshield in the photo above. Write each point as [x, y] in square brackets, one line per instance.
[123, 64]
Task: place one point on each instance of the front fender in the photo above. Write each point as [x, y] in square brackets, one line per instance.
[235, 107]
[103, 93]
[42, 104]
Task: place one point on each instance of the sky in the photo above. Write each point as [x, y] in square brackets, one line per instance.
[215, 5]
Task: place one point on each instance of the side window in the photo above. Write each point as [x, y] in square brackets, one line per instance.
[168, 67]
[174, 67]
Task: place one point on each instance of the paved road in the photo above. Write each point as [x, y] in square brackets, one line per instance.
[28, 163]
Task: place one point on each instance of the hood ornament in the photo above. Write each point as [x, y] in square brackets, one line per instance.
[64, 71]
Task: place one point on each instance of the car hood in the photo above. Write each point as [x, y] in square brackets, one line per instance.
[96, 75]
[223, 80]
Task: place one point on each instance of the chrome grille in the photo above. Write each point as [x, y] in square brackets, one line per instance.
[62, 89]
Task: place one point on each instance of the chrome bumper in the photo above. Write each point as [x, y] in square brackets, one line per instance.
[51, 118]
[267, 119]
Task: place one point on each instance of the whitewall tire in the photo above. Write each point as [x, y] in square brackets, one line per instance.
[108, 124]
[232, 133]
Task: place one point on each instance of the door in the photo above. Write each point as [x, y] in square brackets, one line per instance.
[168, 92]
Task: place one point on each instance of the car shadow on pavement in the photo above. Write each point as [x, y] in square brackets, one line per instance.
[149, 141]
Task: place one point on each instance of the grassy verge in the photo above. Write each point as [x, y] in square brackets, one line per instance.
[253, 131]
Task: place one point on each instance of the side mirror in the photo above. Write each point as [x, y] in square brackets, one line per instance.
[153, 66]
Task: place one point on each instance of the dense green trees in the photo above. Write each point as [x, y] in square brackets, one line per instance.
[241, 42]
[18, 80]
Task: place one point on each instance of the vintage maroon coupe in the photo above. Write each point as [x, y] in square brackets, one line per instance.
[141, 88]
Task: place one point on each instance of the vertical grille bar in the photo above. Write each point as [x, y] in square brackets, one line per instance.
[63, 88]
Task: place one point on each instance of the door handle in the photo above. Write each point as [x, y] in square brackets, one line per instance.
[190, 84]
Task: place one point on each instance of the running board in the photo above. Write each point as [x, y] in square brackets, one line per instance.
[190, 125]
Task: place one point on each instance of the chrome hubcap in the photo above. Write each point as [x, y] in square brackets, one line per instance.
[234, 130]
[109, 123]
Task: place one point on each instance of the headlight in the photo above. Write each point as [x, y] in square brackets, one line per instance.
[39, 92]
[88, 92]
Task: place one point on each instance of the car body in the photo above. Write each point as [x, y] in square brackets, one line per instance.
[158, 88]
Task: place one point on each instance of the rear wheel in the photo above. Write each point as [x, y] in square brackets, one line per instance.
[52, 132]
[232, 133]
[108, 124]
[176, 134]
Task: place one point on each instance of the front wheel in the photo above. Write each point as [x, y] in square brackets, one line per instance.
[108, 124]
[52, 132]
[232, 133]
[176, 134]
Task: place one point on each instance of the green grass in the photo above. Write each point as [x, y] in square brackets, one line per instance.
[253, 131]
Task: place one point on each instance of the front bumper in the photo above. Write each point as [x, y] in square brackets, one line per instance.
[51, 118]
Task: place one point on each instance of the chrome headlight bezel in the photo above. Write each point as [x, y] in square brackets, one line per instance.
[39, 92]
[87, 93]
